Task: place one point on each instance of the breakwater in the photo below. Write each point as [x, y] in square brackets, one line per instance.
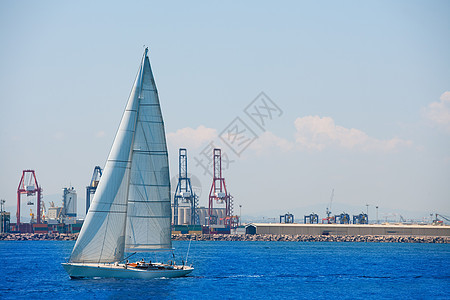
[312, 238]
[249, 237]
[38, 236]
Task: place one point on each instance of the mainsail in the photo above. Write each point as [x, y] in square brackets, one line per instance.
[132, 203]
[149, 212]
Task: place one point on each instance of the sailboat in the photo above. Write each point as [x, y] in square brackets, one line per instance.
[130, 211]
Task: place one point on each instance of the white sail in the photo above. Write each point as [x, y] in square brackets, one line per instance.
[102, 237]
[149, 212]
[131, 207]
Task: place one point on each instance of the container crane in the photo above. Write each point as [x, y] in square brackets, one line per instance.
[436, 221]
[184, 192]
[218, 190]
[92, 187]
[28, 185]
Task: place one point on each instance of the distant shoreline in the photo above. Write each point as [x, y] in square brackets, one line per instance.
[249, 237]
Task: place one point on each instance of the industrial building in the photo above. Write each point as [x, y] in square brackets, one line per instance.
[53, 214]
[5, 218]
[70, 202]
[346, 229]
[183, 216]
[67, 213]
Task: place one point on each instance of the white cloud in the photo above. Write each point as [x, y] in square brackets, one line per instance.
[439, 112]
[318, 133]
[192, 138]
[312, 133]
[268, 142]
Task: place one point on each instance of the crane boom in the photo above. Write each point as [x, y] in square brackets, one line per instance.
[443, 217]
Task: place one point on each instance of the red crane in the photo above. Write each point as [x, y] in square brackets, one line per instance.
[28, 185]
[218, 190]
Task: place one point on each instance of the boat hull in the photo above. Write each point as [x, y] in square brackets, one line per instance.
[78, 270]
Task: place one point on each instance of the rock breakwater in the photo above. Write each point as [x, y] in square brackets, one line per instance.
[249, 237]
[313, 238]
[38, 236]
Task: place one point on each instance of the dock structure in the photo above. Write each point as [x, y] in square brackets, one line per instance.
[347, 229]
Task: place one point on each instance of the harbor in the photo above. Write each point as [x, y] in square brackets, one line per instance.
[252, 238]
[388, 233]
[188, 217]
[235, 150]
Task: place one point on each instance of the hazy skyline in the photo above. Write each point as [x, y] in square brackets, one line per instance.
[361, 93]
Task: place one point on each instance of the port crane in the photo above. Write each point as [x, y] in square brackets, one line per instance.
[92, 187]
[29, 186]
[184, 192]
[437, 221]
[219, 194]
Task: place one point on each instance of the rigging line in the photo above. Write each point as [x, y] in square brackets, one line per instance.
[128, 256]
[131, 156]
[119, 161]
[189, 247]
[140, 172]
[151, 217]
[137, 132]
[149, 201]
[112, 204]
[151, 157]
[150, 185]
[158, 183]
[132, 227]
[145, 198]
[139, 151]
[137, 73]
[104, 238]
[110, 212]
[148, 147]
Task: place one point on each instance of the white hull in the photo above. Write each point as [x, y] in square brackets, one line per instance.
[79, 270]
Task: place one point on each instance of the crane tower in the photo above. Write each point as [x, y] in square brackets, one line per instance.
[218, 190]
[184, 192]
[92, 187]
[28, 185]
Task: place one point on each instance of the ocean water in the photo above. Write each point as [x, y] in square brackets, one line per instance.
[242, 270]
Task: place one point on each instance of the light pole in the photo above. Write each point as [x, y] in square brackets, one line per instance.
[377, 212]
[367, 213]
[240, 213]
[2, 217]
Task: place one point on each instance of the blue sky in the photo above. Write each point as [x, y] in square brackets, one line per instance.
[363, 87]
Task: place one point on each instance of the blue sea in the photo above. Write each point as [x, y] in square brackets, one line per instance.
[242, 270]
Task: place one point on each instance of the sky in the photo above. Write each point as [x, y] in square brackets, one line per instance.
[303, 97]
